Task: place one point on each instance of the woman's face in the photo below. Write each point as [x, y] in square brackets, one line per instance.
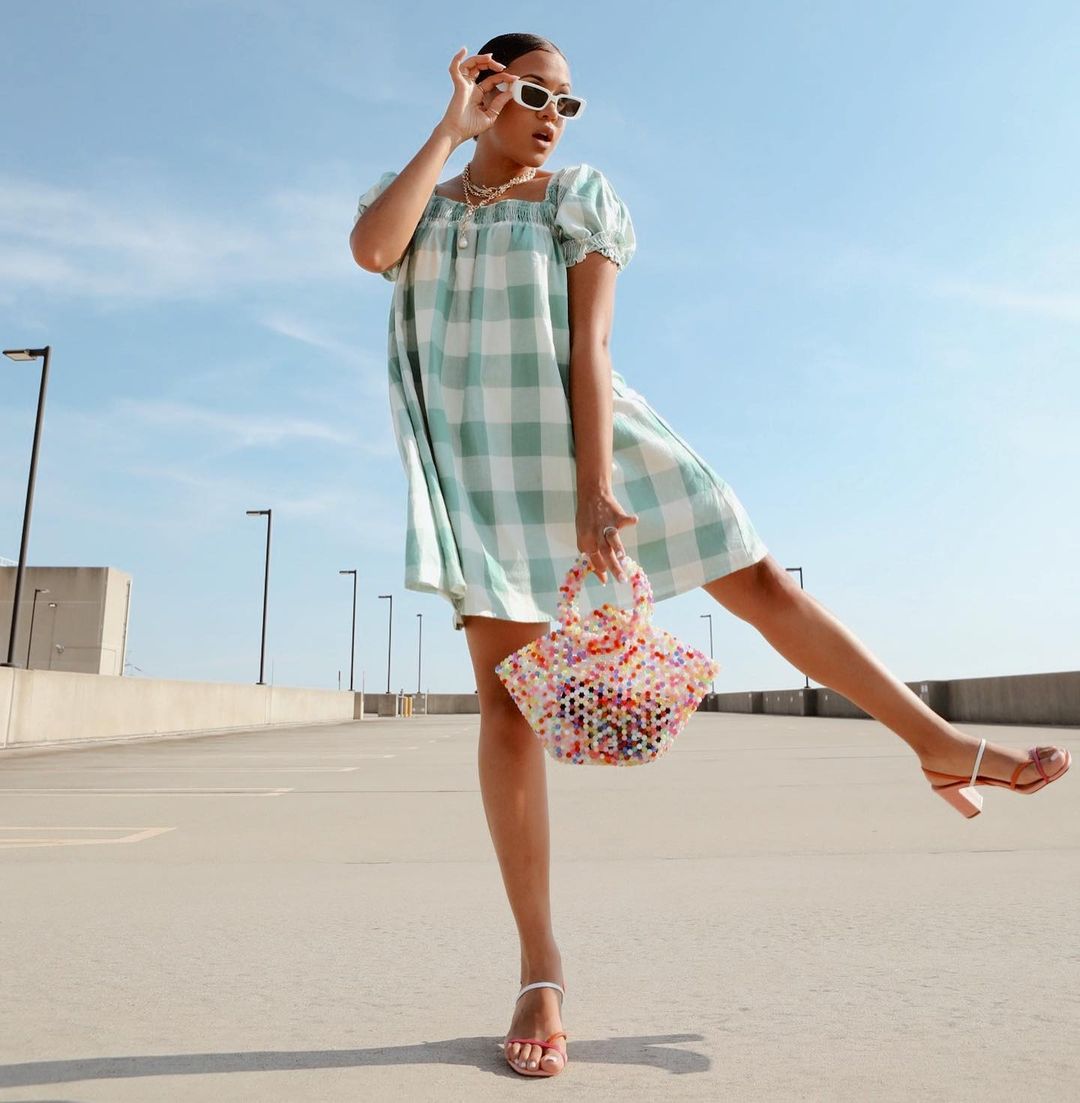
[515, 131]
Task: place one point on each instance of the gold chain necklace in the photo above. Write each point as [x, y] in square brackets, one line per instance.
[484, 195]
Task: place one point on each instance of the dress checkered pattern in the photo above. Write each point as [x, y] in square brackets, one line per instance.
[479, 375]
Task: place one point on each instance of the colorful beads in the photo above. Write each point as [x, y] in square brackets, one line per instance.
[612, 690]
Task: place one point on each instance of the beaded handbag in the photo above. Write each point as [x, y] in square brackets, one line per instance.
[613, 690]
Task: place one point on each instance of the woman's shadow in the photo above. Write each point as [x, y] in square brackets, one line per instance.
[484, 1053]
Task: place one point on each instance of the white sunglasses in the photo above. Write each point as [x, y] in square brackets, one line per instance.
[536, 98]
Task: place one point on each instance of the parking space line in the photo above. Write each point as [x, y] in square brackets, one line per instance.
[238, 791]
[192, 769]
[136, 835]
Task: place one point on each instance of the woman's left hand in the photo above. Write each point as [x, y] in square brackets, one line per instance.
[596, 510]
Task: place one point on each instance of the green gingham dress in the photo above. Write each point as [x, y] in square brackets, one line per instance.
[479, 378]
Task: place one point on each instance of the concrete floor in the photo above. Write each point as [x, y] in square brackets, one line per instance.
[777, 910]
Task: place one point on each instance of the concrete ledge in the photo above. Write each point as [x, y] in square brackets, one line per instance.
[789, 702]
[41, 708]
[441, 704]
[749, 702]
[50, 707]
[1017, 699]
[1030, 699]
[424, 704]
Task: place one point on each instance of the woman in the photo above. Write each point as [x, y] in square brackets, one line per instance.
[521, 445]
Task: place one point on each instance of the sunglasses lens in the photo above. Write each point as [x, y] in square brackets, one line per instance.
[569, 107]
[533, 97]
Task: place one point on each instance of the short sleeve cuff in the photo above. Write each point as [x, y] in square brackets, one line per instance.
[611, 245]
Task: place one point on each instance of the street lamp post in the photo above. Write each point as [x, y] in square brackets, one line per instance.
[352, 638]
[266, 588]
[27, 354]
[419, 649]
[33, 613]
[708, 617]
[799, 569]
[52, 638]
[389, 635]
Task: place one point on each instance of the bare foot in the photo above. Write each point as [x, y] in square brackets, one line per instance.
[958, 758]
[537, 1016]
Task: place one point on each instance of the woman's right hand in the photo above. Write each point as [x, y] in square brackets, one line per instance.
[466, 116]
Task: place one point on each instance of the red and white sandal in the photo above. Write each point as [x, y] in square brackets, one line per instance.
[960, 792]
[544, 1043]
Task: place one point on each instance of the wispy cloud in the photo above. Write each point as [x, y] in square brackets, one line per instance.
[217, 495]
[134, 244]
[371, 367]
[243, 430]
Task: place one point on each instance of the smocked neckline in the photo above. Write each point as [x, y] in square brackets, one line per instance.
[500, 202]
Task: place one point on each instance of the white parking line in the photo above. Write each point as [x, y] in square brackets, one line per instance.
[134, 792]
[137, 835]
[193, 769]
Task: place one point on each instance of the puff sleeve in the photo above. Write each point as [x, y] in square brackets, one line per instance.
[591, 218]
[366, 200]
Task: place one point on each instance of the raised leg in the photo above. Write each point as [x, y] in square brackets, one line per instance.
[801, 629]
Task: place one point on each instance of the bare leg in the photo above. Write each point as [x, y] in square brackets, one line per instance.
[810, 637]
[513, 784]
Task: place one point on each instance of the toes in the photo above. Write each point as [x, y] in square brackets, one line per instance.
[532, 1058]
[519, 1054]
[552, 1060]
[1052, 759]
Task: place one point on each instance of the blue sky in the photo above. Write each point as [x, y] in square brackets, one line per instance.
[856, 293]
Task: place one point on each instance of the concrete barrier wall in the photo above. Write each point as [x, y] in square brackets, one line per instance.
[789, 702]
[49, 707]
[441, 704]
[1017, 699]
[836, 705]
[39, 707]
[1038, 699]
[731, 702]
[424, 704]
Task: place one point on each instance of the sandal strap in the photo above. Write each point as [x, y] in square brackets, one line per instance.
[1033, 756]
[978, 762]
[549, 1044]
[1034, 753]
[542, 984]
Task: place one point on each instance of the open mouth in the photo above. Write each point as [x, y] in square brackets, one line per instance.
[543, 137]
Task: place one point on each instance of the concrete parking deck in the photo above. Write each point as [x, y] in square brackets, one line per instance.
[778, 910]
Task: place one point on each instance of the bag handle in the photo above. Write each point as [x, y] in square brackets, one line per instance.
[570, 615]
